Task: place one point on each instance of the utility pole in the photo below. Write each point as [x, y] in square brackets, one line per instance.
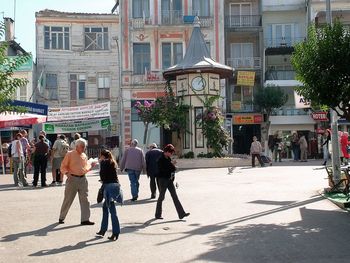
[334, 121]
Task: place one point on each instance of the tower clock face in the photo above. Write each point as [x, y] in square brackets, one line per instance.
[198, 83]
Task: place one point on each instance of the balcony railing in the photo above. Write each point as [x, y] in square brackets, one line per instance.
[290, 111]
[138, 23]
[272, 74]
[245, 63]
[172, 17]
[283, 41]
[243, 21]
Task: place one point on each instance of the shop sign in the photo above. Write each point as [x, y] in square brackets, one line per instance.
[236, 105]
[319, 116]
[247, 119]
[77, 126]
[91, 111]
[301, 102]
[246, 78]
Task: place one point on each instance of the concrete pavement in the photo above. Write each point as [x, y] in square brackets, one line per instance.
[271, 214]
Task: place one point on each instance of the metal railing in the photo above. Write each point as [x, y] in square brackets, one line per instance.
[273, 74]
[243, 21]
[290, 111]
[283, 41]
[245, 62]
[170, 17]
[138, 23]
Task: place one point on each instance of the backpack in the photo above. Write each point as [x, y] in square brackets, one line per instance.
[63, 149]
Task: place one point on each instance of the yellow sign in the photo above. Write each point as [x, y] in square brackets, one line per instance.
[247, 119]
[236, 105]
[245, 78]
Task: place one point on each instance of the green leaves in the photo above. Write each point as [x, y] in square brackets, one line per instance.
[270, 98]
[322, 65]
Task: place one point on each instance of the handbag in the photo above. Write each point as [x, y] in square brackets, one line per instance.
[100, 194]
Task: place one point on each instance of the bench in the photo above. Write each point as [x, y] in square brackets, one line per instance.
[344, 183]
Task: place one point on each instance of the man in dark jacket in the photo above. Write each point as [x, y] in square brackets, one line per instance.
[152, 157]
[165, 179]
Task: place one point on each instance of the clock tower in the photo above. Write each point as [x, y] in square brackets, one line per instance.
[197, 79]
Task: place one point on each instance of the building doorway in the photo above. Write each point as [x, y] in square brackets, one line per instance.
[243, 136]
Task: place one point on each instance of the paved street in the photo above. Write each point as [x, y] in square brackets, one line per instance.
[272, 214]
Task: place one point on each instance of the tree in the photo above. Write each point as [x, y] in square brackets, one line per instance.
[321, 63]
[268, 99]
[8, 84]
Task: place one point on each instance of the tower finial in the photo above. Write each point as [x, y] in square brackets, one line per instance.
[196, 22]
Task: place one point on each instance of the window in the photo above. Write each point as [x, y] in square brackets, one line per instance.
[172, 11]
[242, 99]
[77, 86]
[142, 58]
[171, 54]
[56, 37]
[240, 14]
[199, 138]
[280, 35]
[200, 7]
[51, 86]
[23, 93]
[187, 135]
[96, 38]
[242, 55]
[140, 8]
[103, 86]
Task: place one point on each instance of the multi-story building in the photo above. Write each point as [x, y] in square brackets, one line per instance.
[243, 52]
[78, 59]
[155, 35]
[285, 24]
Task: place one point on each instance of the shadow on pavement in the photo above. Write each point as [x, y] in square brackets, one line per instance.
[307, 240]
[79, 245]
[38, 232]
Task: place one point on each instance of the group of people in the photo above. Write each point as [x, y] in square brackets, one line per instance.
[37, 153]
[158, 164]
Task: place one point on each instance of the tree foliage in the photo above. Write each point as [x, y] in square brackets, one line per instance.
[322, 65]
[8, 84]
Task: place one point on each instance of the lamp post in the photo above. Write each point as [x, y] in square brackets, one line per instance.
[334, 122]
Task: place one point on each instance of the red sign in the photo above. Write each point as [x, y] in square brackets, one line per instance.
[320, 116]
[247, 119]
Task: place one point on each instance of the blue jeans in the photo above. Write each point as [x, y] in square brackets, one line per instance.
[114, 218]
[134, 177]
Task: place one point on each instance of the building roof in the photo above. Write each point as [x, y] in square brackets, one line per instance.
[49, 12]
[197, 59]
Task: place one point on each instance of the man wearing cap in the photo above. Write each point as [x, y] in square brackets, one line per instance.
[133, 162]
[152, 157]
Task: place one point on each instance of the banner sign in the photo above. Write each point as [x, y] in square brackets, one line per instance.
[319, 116]
[247, 119]
[85, 112]
[245, 78]
[33, 108]
[77, 126]
[301, 102]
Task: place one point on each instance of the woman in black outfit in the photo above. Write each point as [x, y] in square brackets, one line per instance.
[111, 193]
[165, 180]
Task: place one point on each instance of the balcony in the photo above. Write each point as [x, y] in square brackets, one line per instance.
[242, 21]
[272, 74]
[282, 42]
[290, 111]
[139, 23]
[245, 63]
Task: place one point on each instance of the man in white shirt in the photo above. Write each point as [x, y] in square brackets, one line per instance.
[18, 161]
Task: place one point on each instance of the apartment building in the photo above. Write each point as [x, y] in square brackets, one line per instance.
[155, 35]
[78, 64]
[243, 52]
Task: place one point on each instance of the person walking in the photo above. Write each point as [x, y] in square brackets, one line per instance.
[325, 146]
[303, 148]
[111, 194]
[59, 150]
[152, 157]
[165, 179]
[72, 144]
[75, 165]
[18, 161]
[255, 151]
[41, 151]
[295, 147]
[26, 150]
[344, 142]
[133, 162]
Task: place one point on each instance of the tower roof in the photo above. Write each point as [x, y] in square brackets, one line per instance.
[197, 59]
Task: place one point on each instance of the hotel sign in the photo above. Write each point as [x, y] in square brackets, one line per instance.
[319, 116]
[246, 78]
